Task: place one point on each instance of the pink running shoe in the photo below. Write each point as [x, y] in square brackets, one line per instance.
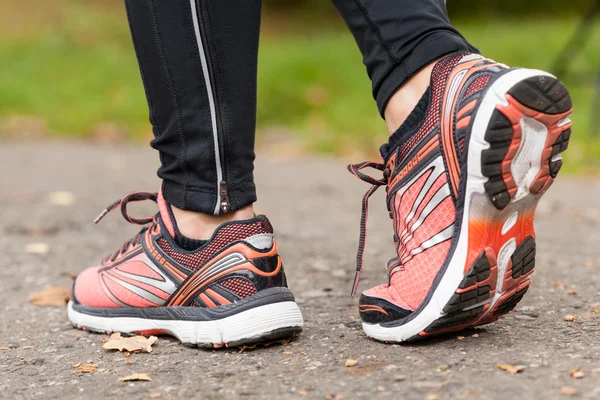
[230, 291]
[462, 187]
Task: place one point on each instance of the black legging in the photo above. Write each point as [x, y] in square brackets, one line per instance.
[198, 61]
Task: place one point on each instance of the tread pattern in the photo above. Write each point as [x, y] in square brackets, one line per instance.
[540, 94]
[470, 305]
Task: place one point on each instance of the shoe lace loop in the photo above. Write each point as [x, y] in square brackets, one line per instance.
[355, 169]
[122, 203]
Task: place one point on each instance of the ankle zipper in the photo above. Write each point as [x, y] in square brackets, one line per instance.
[200, 27]
[224, 195]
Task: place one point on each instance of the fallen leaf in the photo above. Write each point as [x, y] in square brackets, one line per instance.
[155, 395]
[351, 363]
[595, 309]
[4, 348]
[365, 369]
[568, 391]
[61, 198]
[287, 353]
[571, 292]
[37, 248]
[569, 318]
[512, 369]
[135, 377]
[577, 373]
[128, 362]
[559, 285]
[53, 296]
[302, 393]
[131, 344]
[85, 368]
[460, 337]
[432, 397]
[475, 335]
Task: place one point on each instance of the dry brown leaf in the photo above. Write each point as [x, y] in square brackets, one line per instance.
[351, 363]
[559, 285]
[130, 344]
[571, 292]
[287, 353]
[577, 373]
[475, 335]
[512, 369]
[135, 377]
[37, 248]
[128, 362]
[569, 318]
[85, 368]
[365, 369]
[4, 348]
[61, 198]
[302, 393]
[460, 337]
[155, 395]
[595, 309]
[53, 296]
[568, 391]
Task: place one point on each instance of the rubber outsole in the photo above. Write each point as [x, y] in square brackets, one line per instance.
[262, 324]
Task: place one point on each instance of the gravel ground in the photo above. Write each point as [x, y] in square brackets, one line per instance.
[314, 205]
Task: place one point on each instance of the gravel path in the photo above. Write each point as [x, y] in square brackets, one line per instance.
[314, 205]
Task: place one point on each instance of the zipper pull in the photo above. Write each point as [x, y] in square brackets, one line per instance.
[224, 196]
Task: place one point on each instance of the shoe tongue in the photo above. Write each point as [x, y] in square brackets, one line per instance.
[166, 214]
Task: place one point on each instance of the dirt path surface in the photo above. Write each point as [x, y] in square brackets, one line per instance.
[315, 207]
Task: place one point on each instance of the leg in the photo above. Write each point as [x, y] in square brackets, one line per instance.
[190, 274]
[464, 170]
[198, 64]
[400, 40]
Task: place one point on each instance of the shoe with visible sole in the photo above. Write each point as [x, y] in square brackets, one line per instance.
[230, 291]
[463, 183]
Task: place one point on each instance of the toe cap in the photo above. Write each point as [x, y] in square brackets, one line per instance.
[376, 310]
[88, 290]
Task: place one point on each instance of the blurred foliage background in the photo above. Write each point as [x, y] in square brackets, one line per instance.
[68, 70]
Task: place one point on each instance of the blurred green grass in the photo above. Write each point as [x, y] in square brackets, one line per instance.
[76, 71]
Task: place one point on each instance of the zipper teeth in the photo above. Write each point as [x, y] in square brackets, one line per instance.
[211, 102]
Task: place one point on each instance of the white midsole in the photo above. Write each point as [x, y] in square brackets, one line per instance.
[476, 203]
[253, 323]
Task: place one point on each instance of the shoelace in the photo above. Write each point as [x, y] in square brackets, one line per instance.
[122, 203]
[376, 184]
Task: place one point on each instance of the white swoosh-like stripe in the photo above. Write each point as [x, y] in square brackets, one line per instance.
[137, 290]
[442, 194]
[437, 239]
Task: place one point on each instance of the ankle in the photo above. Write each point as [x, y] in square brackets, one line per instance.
[406, 98]
[199, 226]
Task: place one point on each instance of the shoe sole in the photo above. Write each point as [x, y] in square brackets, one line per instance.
[519, 131]
[261, 324]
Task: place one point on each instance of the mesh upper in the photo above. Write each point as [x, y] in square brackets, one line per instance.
[225, 236]
[239, 286]
[439, 76]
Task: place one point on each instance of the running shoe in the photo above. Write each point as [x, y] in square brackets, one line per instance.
[463, 178]
[230, 291]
